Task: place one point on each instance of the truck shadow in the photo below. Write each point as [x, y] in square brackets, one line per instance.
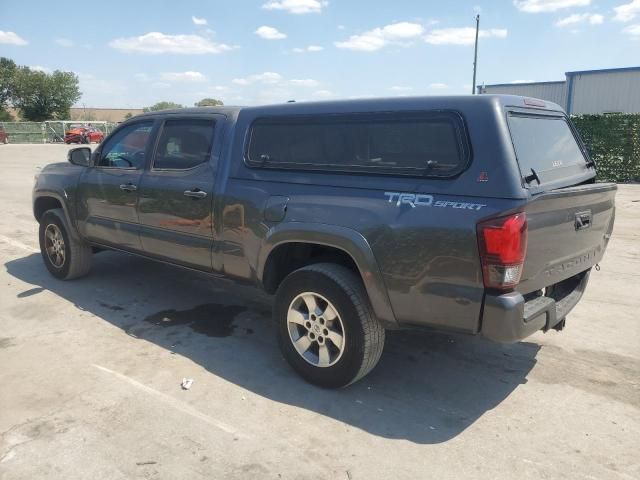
[428, 387]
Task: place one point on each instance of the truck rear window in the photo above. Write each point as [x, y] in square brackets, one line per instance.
[547, 145]
[423, 144]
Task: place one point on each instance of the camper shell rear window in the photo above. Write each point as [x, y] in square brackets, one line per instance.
[547, 147]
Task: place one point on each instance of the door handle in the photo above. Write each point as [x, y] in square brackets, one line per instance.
[128, 187]
[195, 193]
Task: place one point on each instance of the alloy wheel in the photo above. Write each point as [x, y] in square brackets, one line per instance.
[316, 329]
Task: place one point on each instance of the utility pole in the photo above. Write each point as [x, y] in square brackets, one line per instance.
[475, 56]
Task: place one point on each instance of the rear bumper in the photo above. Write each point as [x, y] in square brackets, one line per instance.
[509, 317]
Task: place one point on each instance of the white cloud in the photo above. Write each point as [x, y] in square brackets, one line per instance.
[270, 33]
[576, 18]
[596, 19]
[198, 20]
[183, 77]
[65, 42]
[539, 6]
[268, 78]
[304, 82]
[142, 77]
[156, 43]
[323, 94]
[461, 36]
[372, 40]
[633, 30]
[310, 48]
[298, 7]
[398, 88]
[12, 38]
[439, 86]
[403, 30]
[272, 78]
[341, 27]
[520, 81]
[627, 11]
[39, 68]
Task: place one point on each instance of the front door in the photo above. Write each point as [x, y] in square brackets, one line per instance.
[108, 191]
[177, 193]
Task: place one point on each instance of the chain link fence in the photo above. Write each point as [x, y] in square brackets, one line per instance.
[614, 142]
[48, 132]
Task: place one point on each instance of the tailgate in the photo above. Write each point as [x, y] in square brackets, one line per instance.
[569, 229]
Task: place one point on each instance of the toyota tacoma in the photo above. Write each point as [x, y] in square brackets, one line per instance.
[476, 214]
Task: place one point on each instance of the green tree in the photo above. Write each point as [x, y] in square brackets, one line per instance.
[162, 106]
[128, 116]
[8, 70]
[209, 102]
[41, 96]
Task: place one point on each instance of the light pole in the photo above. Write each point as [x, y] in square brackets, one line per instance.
[475, 56]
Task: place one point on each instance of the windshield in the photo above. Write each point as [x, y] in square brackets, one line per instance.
[546, 145]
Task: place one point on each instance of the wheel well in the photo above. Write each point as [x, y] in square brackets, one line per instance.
[288, 257]
[43, 204]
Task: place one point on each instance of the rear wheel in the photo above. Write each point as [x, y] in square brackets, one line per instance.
[326, 329]
[64, 256]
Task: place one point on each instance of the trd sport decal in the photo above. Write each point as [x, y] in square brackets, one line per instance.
[423, 200]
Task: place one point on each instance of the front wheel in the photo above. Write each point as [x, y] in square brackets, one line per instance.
[64, 256]
[326, 329]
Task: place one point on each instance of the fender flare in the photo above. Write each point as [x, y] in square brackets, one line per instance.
[343, 238]
[62, 212]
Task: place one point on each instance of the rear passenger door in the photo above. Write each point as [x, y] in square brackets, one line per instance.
[176, 194]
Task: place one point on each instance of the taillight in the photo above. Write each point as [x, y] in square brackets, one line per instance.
[503, 247]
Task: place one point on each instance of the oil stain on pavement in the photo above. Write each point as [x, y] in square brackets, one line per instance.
[211, 319]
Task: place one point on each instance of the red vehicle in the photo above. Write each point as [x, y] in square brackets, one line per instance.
[83, 135]
[4, 138]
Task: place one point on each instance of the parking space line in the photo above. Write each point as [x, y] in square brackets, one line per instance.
[15, 243]
[177, 404]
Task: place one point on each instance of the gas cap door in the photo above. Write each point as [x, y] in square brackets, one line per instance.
[276, 208]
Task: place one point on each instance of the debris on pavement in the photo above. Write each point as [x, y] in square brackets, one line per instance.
[186, 383]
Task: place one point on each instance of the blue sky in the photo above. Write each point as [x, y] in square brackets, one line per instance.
[134, 53]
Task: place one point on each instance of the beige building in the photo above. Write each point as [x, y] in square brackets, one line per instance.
[103, 114]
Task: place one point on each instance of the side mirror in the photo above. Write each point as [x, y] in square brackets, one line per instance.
[80, 156]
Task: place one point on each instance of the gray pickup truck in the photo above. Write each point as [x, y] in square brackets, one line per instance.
[476, 214]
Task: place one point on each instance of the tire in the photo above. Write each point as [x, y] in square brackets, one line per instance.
[335, 289]
[67, 260]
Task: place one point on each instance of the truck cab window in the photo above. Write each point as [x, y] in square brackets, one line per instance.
[126, 149]
[184, 144]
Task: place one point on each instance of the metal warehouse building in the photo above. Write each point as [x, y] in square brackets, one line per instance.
[588, 91]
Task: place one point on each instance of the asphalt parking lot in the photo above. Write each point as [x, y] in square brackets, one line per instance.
[90, 374]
